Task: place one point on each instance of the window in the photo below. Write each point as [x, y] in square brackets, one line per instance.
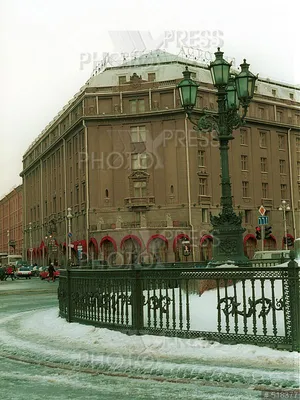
[265, 190]
[201, 158]
[292, 96]
[261, 112]
[248, 217]
[298, 170]
[202, 186]
[298, 144]
[151, 76]
[263, 164]
[282, 166]
[283, 191]
[106, 193]
[139, 161]
[281, 142]
[262, 139]
[244, 162]
[137, 105]
[122, 79]
[172, 189]
[243, 137]
[138, 134]
[279, 116]
[133, 106]
[204, 213]
[77, 195]
[140, 189]
[245, 188]
[83, 192]
[273, 92]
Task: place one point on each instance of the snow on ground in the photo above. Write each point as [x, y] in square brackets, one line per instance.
[49, 325]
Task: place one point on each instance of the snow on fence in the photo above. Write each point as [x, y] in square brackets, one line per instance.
[244, 305]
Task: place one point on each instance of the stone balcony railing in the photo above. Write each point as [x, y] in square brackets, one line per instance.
[139, 201]
[125, 225]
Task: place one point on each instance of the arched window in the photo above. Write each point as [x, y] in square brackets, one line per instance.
[106, 193]
[172, 189]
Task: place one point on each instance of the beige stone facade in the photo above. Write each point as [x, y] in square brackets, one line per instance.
[139, 179]
[11, 232]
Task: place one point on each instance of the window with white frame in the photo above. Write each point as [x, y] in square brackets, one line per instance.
[244, 137]
[263, 139]
[263, 164]
[138, 134]
[282, 166]
[201, 158]
[245, 188]
[140, 189]
[202, 186]
[244, 162]
[283, 191]
[139, 161]
[265, 190]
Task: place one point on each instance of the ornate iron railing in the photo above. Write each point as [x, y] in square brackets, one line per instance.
[251, 305]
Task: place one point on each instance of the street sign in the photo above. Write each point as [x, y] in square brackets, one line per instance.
[71, 245]
[31, 249]
[263, 220]
[262, 210]
[70, 234]
[79, 247]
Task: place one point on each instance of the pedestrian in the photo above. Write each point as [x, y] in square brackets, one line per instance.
[51, 272]
[10, 272]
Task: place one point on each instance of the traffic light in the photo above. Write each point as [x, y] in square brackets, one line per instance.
[268, 231]
[258, 232]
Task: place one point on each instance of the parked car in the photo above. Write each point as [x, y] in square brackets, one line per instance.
[23, 272]
[280, 255]
[44, 274]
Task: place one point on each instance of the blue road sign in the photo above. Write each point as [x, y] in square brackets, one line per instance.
[70, 234]
[263, 220]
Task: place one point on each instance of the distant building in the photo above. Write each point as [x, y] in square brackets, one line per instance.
[11, 233]
[139, 180]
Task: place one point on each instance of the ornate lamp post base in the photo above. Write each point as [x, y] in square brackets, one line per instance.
[228, 246]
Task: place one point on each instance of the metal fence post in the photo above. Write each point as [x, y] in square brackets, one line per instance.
[137, 301]
[69, 296]
[293, 274]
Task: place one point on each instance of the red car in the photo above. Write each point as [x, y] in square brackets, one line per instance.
[45, 274]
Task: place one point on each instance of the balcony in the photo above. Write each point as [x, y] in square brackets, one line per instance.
[126, 225]
[139, 202]
[204, 199]
[267, 202]
[157, 224]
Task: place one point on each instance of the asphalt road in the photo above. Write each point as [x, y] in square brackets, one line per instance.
[28, 374]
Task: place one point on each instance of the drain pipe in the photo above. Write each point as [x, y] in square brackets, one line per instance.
[291, 182]
[188, 181]
[87, 189]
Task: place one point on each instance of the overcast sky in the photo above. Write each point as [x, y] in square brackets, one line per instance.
[46, 45]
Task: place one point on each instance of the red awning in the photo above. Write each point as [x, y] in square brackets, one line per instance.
[95, 243]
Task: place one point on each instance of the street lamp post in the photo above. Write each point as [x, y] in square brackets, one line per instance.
[30, 241]
[8, 241]
[233, 93]
[284, 207]
[69, 217]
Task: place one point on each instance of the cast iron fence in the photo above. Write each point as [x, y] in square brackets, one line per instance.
[250, 305]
